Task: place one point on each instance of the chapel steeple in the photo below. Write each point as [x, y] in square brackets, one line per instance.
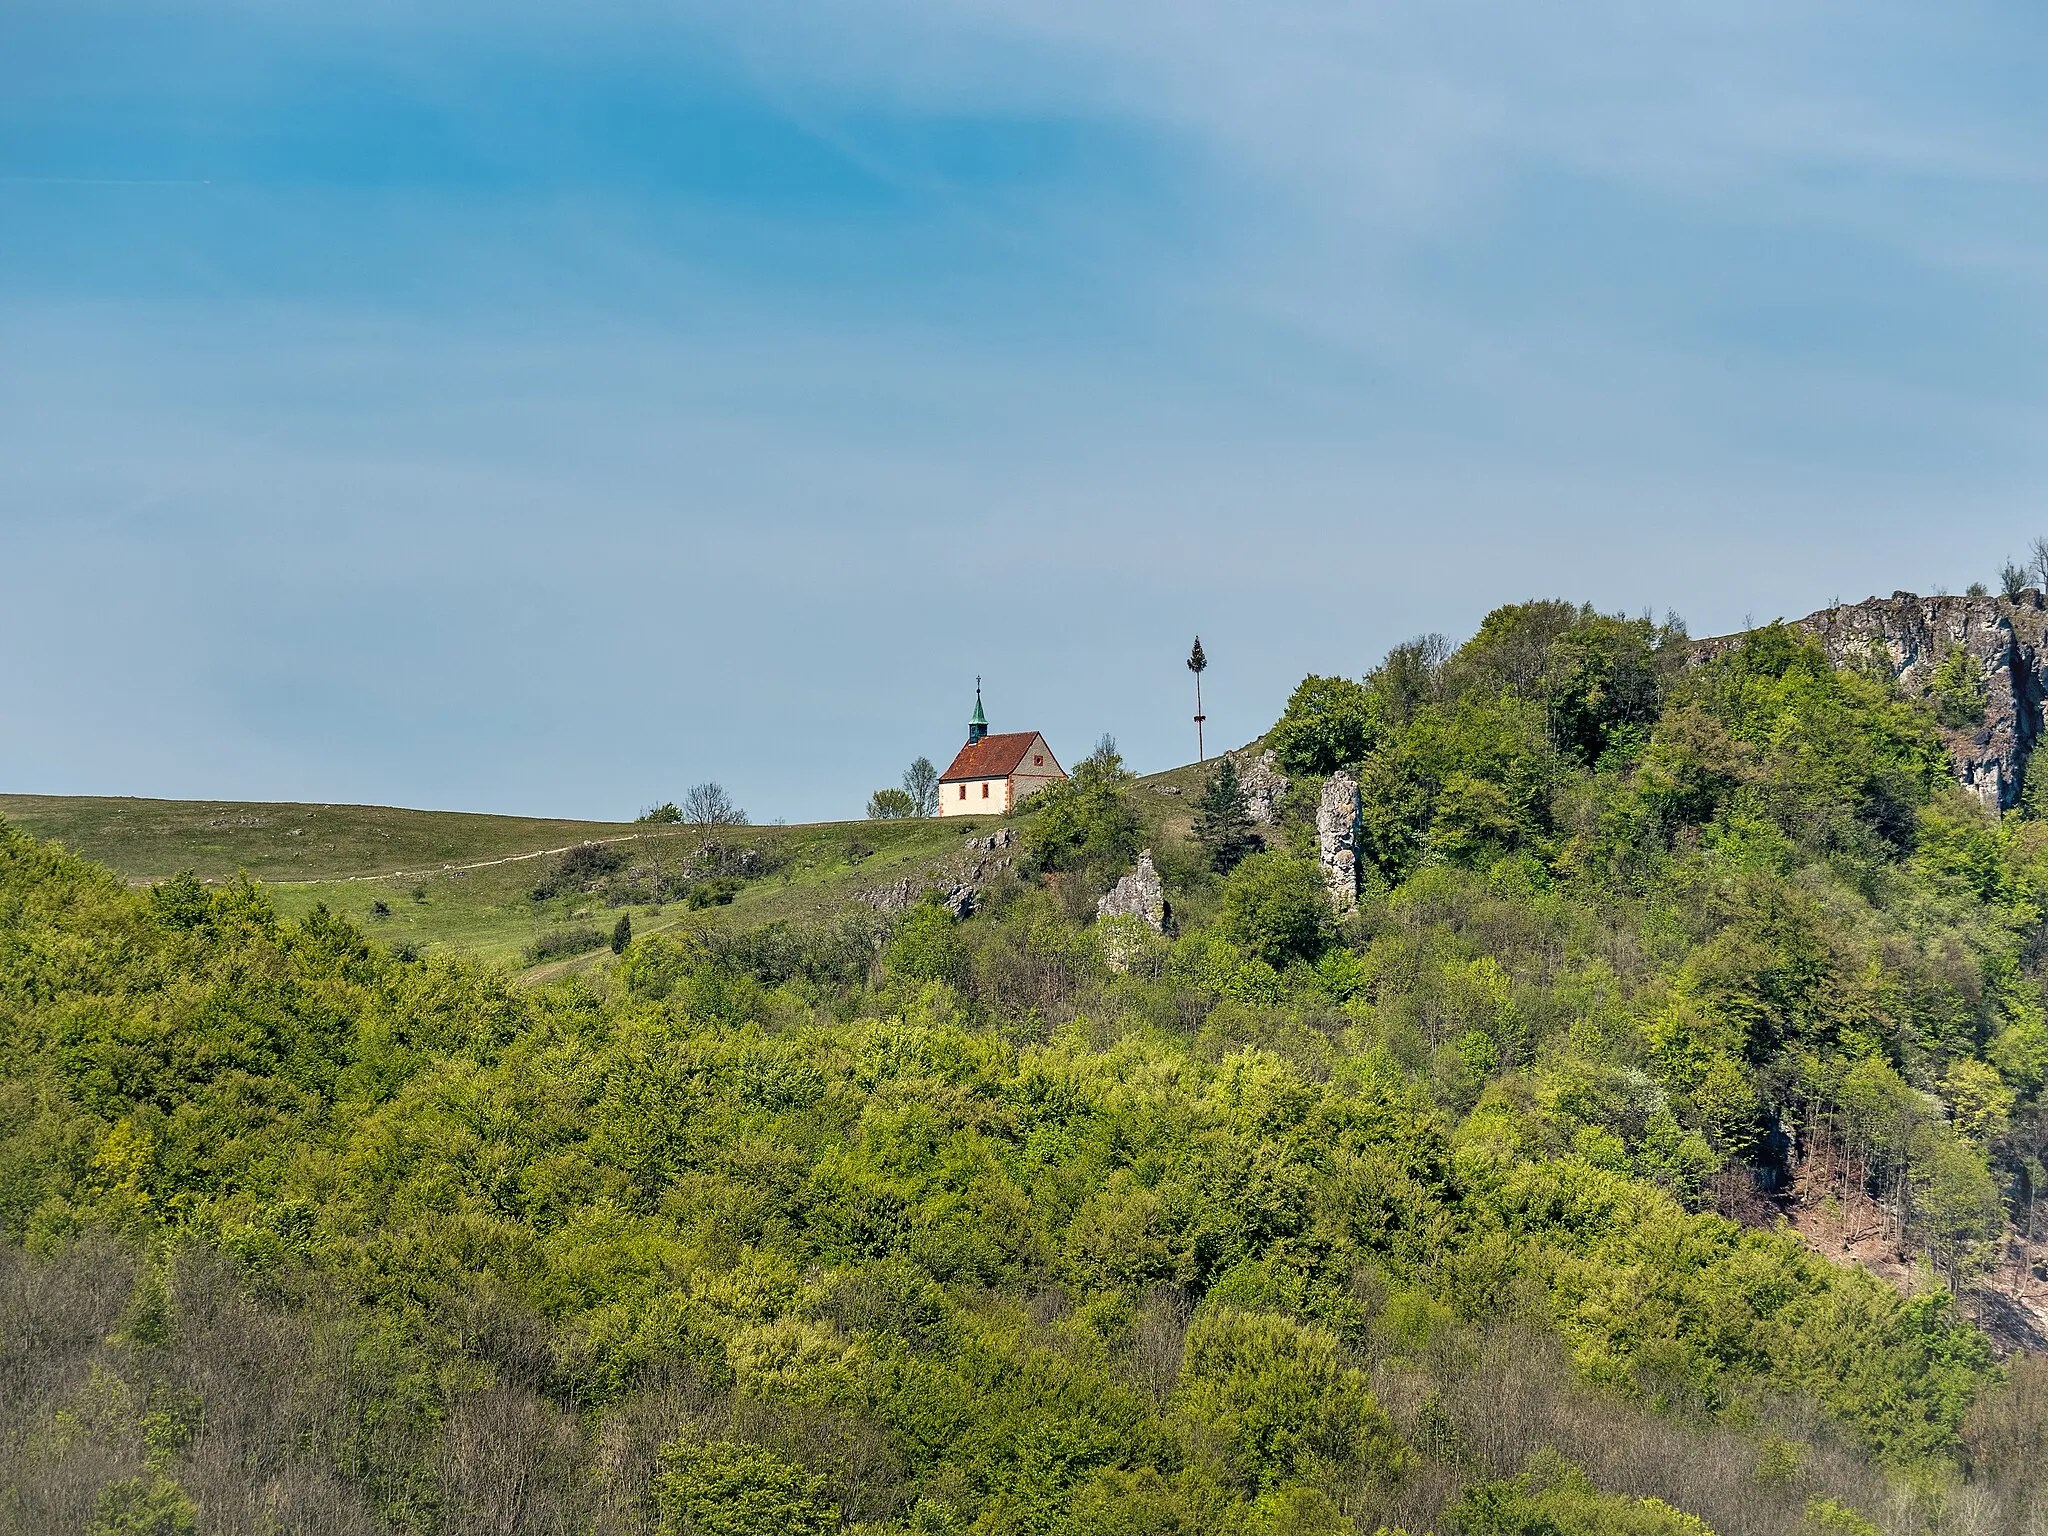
[977, 723]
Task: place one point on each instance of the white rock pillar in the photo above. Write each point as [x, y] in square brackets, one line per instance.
[1140, 894]
[1337, 819]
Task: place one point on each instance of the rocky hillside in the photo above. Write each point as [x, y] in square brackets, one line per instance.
[1912, 637]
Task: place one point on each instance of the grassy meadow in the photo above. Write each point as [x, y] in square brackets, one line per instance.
[462, 882]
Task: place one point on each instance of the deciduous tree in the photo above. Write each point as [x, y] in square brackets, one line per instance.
[921, 784]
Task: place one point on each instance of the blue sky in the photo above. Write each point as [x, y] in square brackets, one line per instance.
[542, 409]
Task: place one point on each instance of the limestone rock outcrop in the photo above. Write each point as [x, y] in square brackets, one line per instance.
[1263, 784]
[1139, 894]
[957, 887]
[1910, 636]
[1337, 817]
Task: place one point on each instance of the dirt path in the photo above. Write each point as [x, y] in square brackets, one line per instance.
[448, 869]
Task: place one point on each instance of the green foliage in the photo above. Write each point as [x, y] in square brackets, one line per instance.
[2033, 800]
[1276, 910]
[1414, 673]
[1511, 651]
[1083, 824]
[1603, 687]
[181, 901]
[724, 1489]
[622, 933]
[558, 943]
[145, 1506]
[1222, 821]
[1467, 783]
[921, 785]
[1554, 1499]
[1959, 691]
[1274, 1397]
[1329, 723]
[578, 869]
[891, 805]
[1006, 1224]
[1957, 1202]
[667, 814]
[1769, 732]
[1830, 1517]
[926, 948]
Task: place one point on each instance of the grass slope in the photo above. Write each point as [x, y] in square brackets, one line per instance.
[148, 840]
[488, 912]
[460, 881]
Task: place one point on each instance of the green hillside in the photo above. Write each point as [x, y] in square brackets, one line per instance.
[464, 883]
[1646, 1141]
[154, 839]
[450, 880]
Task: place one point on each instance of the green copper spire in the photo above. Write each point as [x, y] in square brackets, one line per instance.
[977, 723]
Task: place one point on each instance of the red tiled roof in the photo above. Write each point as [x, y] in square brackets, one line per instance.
[992, 757]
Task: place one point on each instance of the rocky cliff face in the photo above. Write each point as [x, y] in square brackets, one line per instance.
[1911, 636]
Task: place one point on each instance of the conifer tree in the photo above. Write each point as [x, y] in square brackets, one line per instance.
[1223, 822]
[622, 933]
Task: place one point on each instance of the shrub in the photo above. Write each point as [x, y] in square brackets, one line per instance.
[559, 942]
[145, 1506]
[182, 901]
[1274, 1395]
[622, 933]
[1276, 910]
[926, 947]
[1959, 691]
[1553, 1499]
[665, 814]
[725, 1489]
[890, 805]
[1083, 823]
[578, 869]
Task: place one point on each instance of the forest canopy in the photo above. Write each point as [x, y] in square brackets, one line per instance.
[1458, 1210]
